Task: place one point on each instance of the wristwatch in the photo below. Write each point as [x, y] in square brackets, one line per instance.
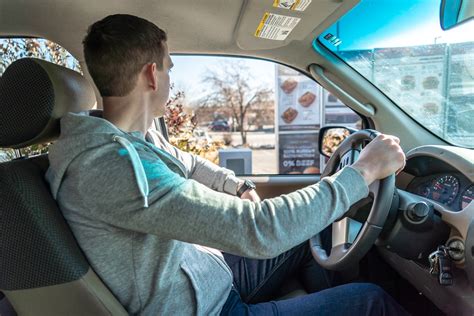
[248, 185]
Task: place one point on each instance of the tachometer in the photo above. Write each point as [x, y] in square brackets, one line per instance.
[467, 196]
[445, 189]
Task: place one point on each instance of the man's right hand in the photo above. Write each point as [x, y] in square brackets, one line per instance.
[380, 158]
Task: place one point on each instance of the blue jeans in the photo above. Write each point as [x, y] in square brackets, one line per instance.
[256, 282]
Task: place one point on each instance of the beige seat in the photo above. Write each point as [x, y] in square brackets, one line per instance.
[42, 269]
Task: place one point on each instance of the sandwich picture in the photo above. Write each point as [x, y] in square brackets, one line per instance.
[289, 85]
[307, 99]
[289, 115]
[431, 83]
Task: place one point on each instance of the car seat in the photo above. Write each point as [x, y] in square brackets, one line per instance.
[42, 269]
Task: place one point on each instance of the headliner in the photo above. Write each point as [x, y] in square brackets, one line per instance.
[194, 26]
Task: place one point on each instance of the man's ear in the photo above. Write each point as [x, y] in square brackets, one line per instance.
[151, 76]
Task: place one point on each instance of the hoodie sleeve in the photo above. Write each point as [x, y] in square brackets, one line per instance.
[103, 187]
[200, 169]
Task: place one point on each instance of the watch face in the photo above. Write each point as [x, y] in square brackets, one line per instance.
[250, 185]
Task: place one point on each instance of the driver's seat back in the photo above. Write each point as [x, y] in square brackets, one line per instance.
[42, 269]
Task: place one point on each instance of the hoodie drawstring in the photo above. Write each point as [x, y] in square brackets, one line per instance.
[138, 169]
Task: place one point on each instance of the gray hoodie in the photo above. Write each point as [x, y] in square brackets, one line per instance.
[150, 231]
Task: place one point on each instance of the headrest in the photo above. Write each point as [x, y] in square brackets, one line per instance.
[34, 95]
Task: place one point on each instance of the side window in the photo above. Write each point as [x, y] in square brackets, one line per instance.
[252, 116]
[12, 49]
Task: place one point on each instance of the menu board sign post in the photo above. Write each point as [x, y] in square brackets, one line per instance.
[298, 117]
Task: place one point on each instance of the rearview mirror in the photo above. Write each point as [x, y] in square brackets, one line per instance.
[454, 12]
[330, 137]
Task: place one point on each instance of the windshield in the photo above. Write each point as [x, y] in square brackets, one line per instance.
[400, 47]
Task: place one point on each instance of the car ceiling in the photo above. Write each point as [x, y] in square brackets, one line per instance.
[203, 27]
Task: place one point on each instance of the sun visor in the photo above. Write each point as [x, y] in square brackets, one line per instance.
[275, 23]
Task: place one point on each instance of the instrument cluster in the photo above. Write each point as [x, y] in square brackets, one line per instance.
[450, 189]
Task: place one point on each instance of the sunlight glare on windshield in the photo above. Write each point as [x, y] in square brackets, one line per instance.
[399, 47]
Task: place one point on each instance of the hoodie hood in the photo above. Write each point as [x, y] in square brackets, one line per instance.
[81, 133]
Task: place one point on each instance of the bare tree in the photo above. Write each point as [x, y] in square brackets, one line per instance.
[12, 49]
[230, 86]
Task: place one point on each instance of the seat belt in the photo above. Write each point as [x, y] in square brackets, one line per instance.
[160, 125]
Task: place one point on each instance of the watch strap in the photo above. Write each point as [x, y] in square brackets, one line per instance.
[244, 187]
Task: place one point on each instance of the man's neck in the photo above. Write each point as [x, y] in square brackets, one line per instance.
[130, 113]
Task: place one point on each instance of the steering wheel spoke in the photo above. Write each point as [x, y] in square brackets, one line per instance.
[345, 231]
[340, 232]
[374, 188]
[349, 158]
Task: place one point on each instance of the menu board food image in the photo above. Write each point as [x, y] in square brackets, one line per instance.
[418, 70]
[307, 99]
[298, 104]
[298, 153]
[288, 85]
[289, 115]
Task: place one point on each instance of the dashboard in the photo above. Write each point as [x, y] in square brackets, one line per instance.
[452, 189]
[442, 178]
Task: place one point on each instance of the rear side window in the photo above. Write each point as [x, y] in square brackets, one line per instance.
[12, 49]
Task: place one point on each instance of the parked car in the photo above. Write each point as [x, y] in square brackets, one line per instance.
[219, 126]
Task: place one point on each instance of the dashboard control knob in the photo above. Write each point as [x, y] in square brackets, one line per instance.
[418, 211]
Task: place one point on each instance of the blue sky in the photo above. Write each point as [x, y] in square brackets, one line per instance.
[396, 23]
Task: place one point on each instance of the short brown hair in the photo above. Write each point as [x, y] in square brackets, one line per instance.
[117, 47]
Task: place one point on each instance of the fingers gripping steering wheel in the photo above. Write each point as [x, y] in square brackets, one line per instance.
[343, 253]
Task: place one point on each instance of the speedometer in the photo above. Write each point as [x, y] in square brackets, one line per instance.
[467, 197]
[445, 189]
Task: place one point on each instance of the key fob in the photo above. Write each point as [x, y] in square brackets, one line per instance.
[445, 276]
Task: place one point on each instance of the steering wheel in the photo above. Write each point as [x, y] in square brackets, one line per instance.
[343, 253]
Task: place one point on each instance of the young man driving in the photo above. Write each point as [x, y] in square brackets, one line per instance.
[150, 218]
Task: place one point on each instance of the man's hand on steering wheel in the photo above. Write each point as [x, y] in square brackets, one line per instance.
[380, 158]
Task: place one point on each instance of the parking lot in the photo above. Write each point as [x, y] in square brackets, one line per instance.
[264, 155]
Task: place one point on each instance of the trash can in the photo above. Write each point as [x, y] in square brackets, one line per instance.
[238, 160]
